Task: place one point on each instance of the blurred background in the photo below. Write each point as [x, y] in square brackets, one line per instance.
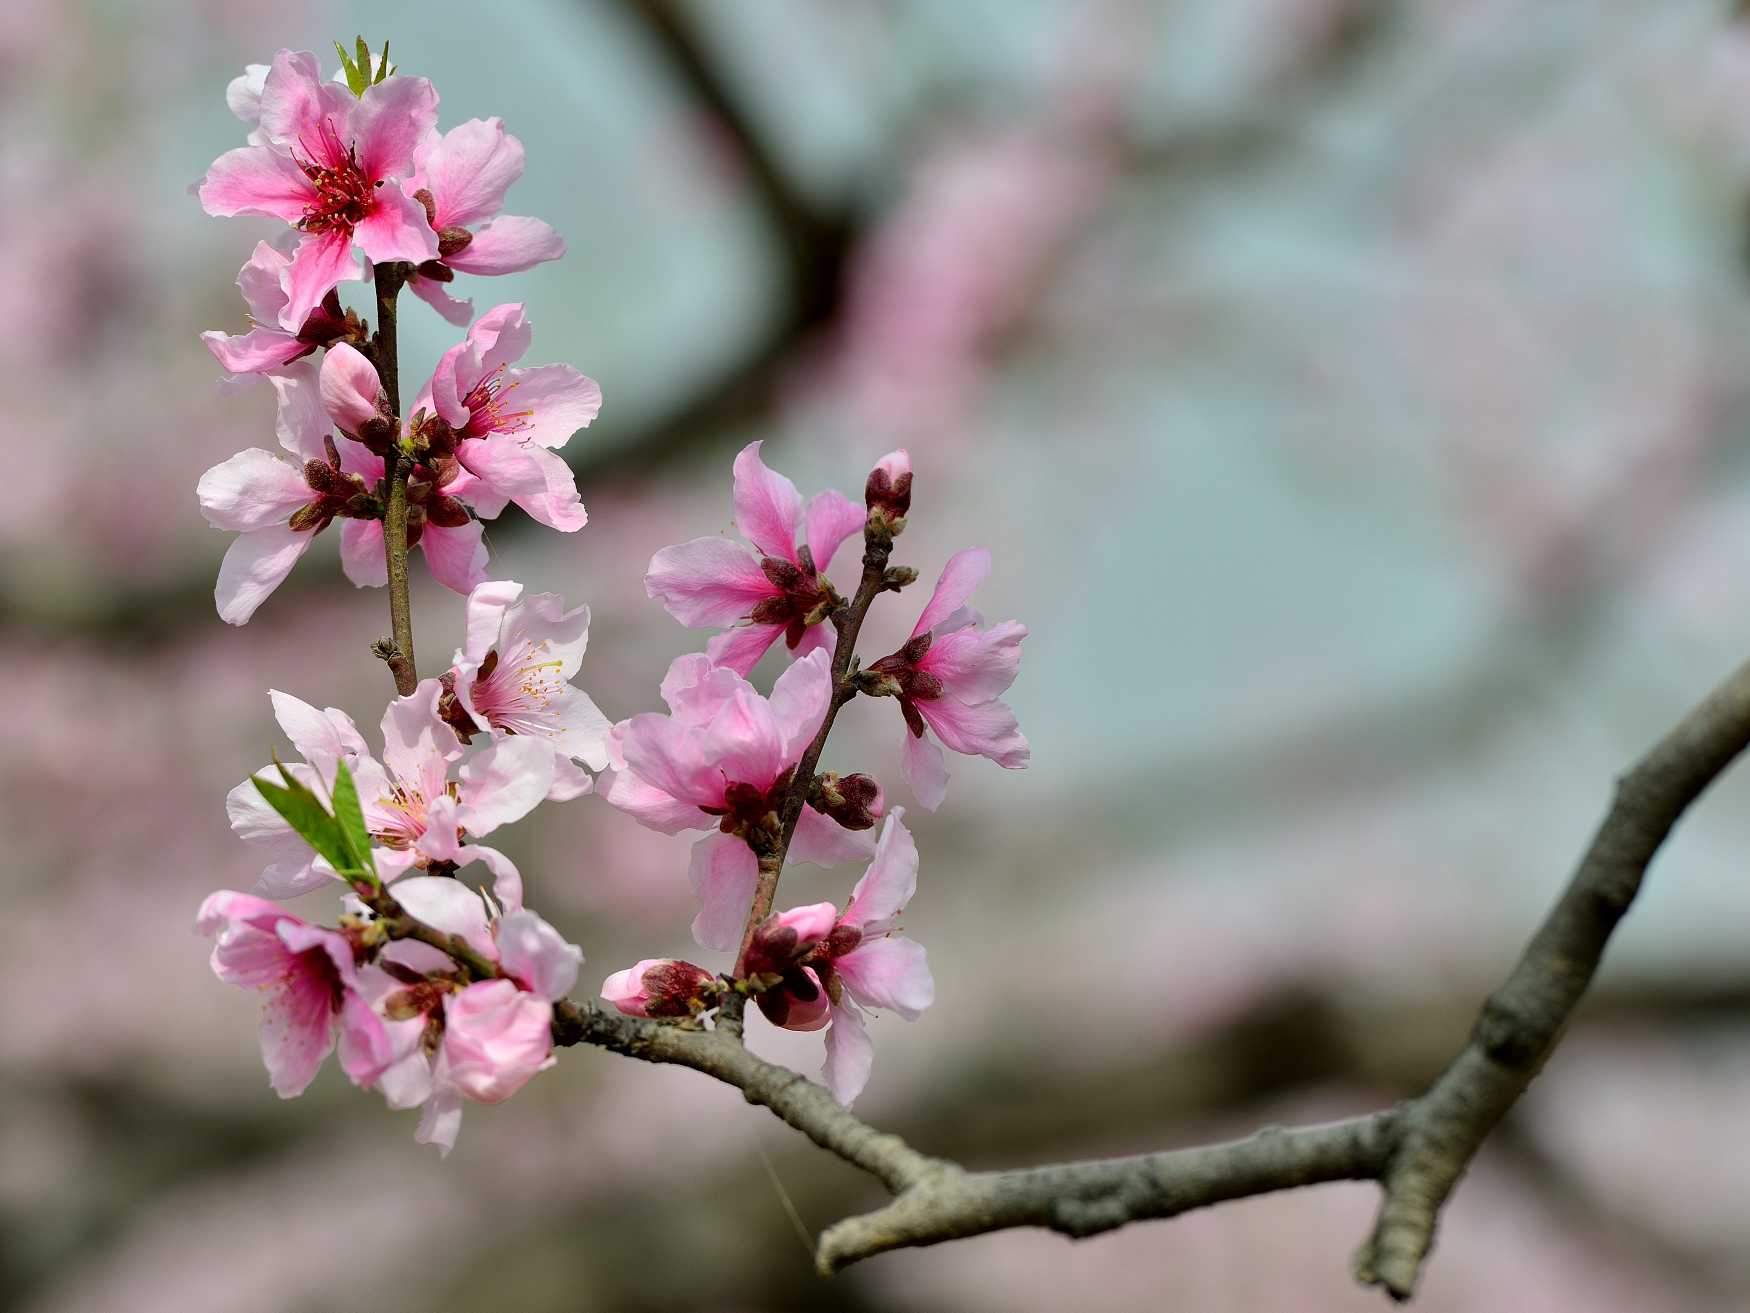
[1353, 396]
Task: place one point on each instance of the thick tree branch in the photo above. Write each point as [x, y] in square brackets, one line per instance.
[1084, 1199]
[1521, 1023]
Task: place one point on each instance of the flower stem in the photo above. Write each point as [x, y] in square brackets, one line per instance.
[848, 622]
[398, 652]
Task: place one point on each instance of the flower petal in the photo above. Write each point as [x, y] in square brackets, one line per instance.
[533, 477]
[890, 972]
[965, 571]
[446, 904]
[257, 180]
[456, 557]
[976, 665]
[799, 701]
[253, 490]
[767, 505]
[504, 782]
[394, 228]
[740, 649]
[254, 565]
[437, 296]
[821, 841]
[707, 583]
[349, 387]
[559, 402]
[361, 553]
[925, 770]
[832, 517]
[724, 872]
[537, 954]
[988, 729]
[850, 1054]
[387, 123]
[468, 170]
[892, 878]
[322, 262]
[508, 246]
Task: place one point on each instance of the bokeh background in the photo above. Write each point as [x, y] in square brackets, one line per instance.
[1353, 395]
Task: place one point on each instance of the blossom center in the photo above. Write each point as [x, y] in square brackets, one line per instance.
[514, 694]
[344, 194]
[488, 403]
[403, 817]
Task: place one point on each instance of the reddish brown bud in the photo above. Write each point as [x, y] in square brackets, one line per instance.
[436, 270]
[854, 801]
[310, 519]
[446, 512]
[451, 240]
[424, 197]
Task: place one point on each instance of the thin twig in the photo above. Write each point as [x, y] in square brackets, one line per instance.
[398, 652]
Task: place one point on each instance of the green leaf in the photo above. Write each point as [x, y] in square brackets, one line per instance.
[304, 812]
[358, 74]
[351, 819]
[385, 68]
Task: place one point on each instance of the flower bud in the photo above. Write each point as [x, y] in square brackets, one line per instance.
[784, 939]
[660, 987]
[889, 483]
[854, 801]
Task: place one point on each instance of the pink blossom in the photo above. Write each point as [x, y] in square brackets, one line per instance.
[949, 678]
[275, 508]
[781, 588]
[659, 987]
[482, 1041]
[309, 979]
[439, 491]
[323, 738]
[419, 817]
[329, 164]
[509, 422]
[723, 758]
[512, 675]
[830, 963]
[460, 178]
[268, 346]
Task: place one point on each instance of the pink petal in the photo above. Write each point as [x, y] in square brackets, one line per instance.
[496, 1037]
[485, 616]
[361, 553]
[504, 782]
[445, 387]
[892, 878]
[743, 742]
[767, 505]
[437, 296]
[417, 746]
[322, 738]
[976, 665]
[832, 517]
[812, 923]
[299, 420]
[560, 401]
[243, 93]
[695, 689]
[674, 758]
[965, 571]
[257, 180]
[253, 490]
[507, 246]
[295, 100]
[387, 123]
[925, 770]
[257, 350]
[322, 262]
[581, 730]
[349, 387]
[537, 955]
[256, 564]
[569, 780]
[821, 841]
[446, 904]
[468, 170]
[850, 1054]
[394, 228]
[891, 972]
[456, 557]
[724, 872]
[441, 1121]
[650, 806]
[501, 336]
[740, 649]
[707, 583]
[816, 638]
[297, 1034]
[985, 730]
[799, 701]
[507, 881]
[533, 477]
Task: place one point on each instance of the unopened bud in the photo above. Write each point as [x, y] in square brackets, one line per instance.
[310, 519]
[377, 434]
[897, 577]
[660, 987]
[446, 512]
[889, 485]
[854, 801]
[784, 939]
[452, 240]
